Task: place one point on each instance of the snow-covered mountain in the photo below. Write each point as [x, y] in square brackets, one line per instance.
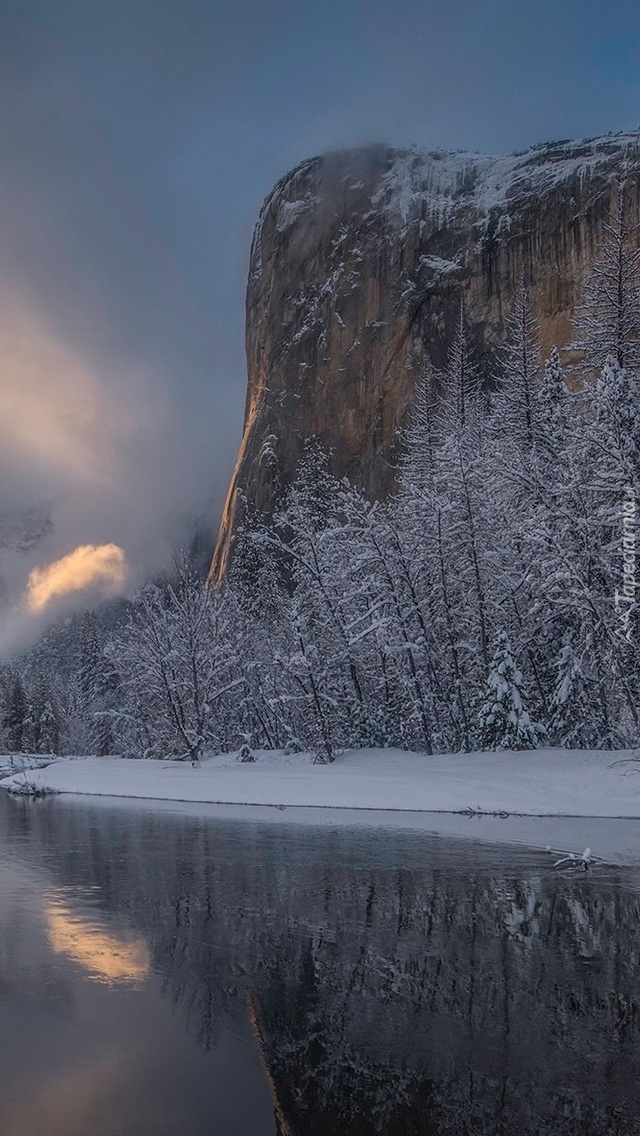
[358, 264]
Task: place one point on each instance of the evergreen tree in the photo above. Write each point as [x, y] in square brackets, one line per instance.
[538, 518]
[48, 729]
[608, 320]
[503, 720]
[552, 410]
[460, 383]
[515, 399]
[421, 437]
[573, 723]
[15, 715]
[614, 402]
[41, 725]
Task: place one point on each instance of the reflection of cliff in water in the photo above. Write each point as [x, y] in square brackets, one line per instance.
[450, 995]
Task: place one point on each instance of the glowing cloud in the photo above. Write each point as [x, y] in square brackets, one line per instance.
[89, 565]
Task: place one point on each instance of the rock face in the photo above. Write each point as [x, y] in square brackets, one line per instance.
[358, 265]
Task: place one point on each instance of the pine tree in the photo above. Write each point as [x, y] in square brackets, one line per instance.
[41, 725]
[444, 517]
[15, 714]
[538, 519]
[515, 399]
[552, 407]
[421, 437]
[573, 722]
[614, 402]
[460, 383]
[49, 729]
[608, 320]
[308, 537]
[503, 720]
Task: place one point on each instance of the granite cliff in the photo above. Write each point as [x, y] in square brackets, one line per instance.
[358, 263]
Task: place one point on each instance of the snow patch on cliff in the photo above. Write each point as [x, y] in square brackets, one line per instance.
[441, 183]
[290, 211]
[439, 266]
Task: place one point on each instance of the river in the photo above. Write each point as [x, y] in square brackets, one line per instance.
[168, 973]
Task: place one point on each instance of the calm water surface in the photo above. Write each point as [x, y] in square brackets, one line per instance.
[169, 975]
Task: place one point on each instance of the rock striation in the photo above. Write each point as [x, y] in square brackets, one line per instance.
[359, 262]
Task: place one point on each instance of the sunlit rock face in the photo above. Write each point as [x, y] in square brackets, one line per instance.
[358, 264]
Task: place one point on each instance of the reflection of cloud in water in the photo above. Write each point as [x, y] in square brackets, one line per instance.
[102, 955]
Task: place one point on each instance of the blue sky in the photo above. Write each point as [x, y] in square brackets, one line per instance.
[138, 139]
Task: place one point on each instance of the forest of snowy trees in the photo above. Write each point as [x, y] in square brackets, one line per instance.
[488, 604]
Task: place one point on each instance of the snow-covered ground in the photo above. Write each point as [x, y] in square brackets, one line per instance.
[566, 799]
[18, 762]
[546, 782]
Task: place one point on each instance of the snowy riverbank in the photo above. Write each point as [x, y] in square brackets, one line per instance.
[547, 782]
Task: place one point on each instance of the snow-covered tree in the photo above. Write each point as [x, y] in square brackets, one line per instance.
[573, 722]
[15, 713]
[175, 666]
[41, 727]
[460, 383]
[421, 436]
[515, 399]
[503, 720]
[49, 728]
[552, 411]
[608, 320]
[614, 402]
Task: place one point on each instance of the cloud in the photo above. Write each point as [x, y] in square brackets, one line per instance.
[56, 422]
[88, 566]
[97, 442]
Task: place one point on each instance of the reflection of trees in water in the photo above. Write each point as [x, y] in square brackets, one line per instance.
[435, 998]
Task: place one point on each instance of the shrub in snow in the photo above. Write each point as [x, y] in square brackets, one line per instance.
[246, 754]
[503, 721]
[25, 787]
[293, 746]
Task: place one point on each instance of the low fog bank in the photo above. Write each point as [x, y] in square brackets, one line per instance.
[96, 452]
